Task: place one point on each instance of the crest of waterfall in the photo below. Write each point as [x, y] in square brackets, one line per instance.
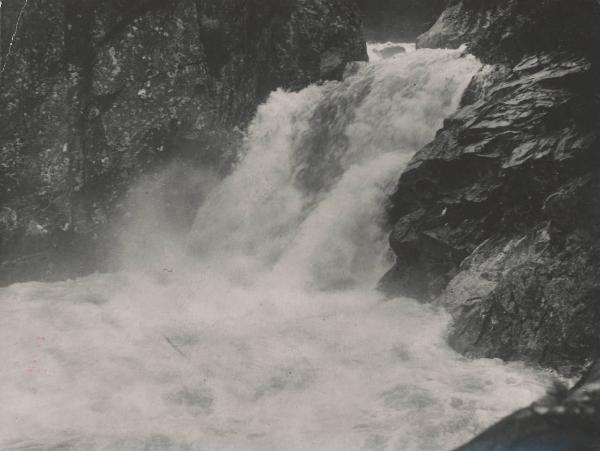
[261, 330]
[309, 193]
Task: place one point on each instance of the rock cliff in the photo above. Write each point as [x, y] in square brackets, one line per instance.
[498, 217]
[97, 93]
[399, 20]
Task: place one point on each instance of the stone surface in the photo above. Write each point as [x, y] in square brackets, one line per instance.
[498, 217]
[98, 93]
[505, 30]
[565, 420]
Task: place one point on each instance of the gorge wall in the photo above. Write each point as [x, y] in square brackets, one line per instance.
[399, 20]
[97, 93]
[497, 218]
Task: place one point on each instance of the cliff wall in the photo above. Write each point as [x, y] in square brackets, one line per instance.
[98, 93]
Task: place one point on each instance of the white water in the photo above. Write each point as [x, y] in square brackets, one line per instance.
[376, 50]
[261, 330]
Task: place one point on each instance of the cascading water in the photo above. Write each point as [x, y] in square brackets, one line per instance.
[261, 330]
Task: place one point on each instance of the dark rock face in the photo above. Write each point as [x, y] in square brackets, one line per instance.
[505, 30]
[399, 20]
[254, 46]
[562, 421]
[97, 93]
[498, 217]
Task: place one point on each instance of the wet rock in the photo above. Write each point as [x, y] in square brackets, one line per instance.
[497, 217]
[254, 46]
[332, 66]
[505, 30]
[565, 420]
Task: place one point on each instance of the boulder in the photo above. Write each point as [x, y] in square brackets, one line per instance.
[564, 420]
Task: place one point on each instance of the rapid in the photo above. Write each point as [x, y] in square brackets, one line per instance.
[261, 328]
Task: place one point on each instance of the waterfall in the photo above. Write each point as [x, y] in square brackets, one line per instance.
[310, 191]
[261, 329]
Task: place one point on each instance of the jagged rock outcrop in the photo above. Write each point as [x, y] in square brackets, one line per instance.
[505, 30]
[498, 217]
[399, 20]
[564, 420]
[96, 93]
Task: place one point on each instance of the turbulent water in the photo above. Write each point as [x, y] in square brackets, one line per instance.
[261, 329]
[383, 50]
